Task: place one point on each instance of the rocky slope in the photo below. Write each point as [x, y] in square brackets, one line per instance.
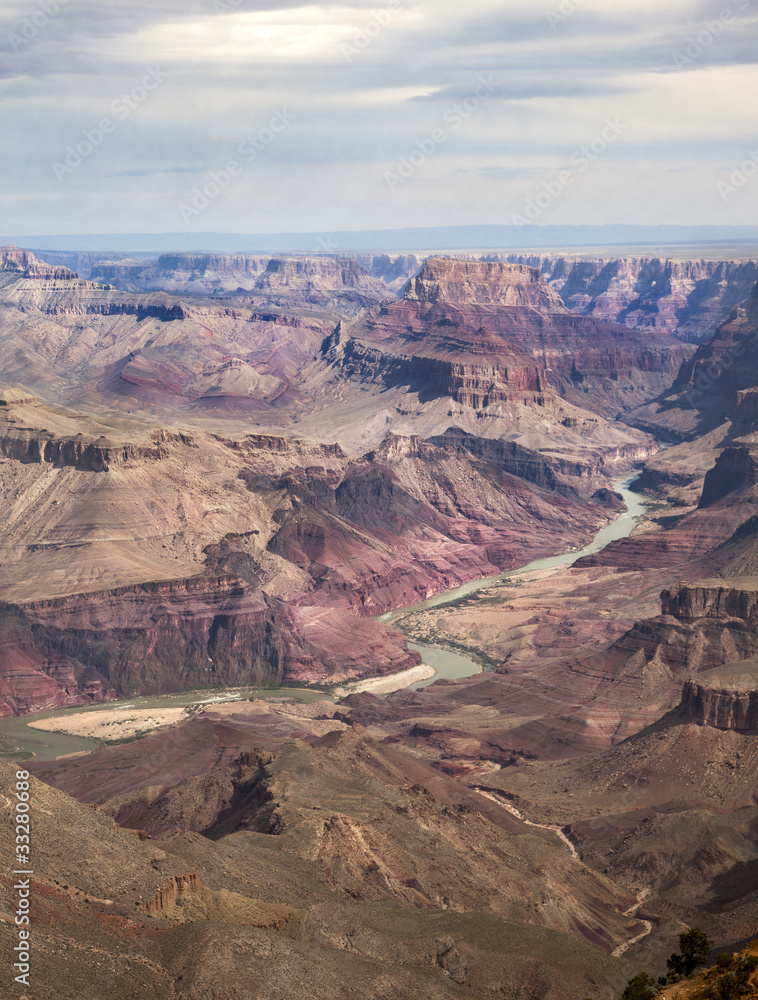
[686, 298]
[189, 916]
[267, 567]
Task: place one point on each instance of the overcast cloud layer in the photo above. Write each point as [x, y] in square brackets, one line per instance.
[278, 115]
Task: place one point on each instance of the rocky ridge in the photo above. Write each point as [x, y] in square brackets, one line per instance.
[685, 298]
[338, 284]
[486, 311]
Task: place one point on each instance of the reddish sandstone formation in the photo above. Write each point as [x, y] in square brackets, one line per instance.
[160, 637]
[488, 313]
[725, 698]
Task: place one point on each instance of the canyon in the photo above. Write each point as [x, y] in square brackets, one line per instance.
[666, 289]
[687, 298]
[227, 471]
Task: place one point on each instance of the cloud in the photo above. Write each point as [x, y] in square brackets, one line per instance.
[367, 80]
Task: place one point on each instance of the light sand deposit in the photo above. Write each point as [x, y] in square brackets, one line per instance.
[386, 685]
[113, 725]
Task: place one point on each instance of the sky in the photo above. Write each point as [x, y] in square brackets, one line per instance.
[279, 116]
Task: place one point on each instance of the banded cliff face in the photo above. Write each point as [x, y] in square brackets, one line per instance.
[15, 262]
[474, 383]
[687, 298]
[702, 626]
[466, 282]
[723, 701]
[714, 388]
[175, 635]
[334, 282]
[486, 314]
[713, 599]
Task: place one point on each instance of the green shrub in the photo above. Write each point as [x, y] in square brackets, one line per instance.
[736, 984]
[642, 987]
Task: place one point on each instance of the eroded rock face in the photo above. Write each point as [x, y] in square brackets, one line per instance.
[393, 269]
[713, 388]
[712, 599]
[478, 385]
[22, 263]
[339, 283]
[686, 298]
[162, 637]
[484, 314]
[465, 282]
[706, 703]
[735, 469]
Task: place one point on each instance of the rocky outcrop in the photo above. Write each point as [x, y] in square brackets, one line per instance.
[712, 599]
[22, 263]
[466, 282]
[168, 897]
[687, 298]
[713, 385]
[475, 385]
[518, 460]
[553, 473]
[745, 413]
[735, 469]
[30, 446]
[726, 698]
[17, 397]
[704, 629]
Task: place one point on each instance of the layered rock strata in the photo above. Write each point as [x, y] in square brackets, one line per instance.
[686, 298]
[485, 312]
